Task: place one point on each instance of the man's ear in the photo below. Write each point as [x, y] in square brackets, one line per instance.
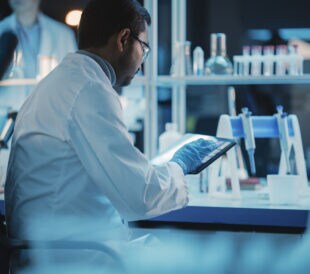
[122, 39]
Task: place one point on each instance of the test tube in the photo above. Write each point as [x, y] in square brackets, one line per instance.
[281, 52]
[256, 60]
[198, 61]
[188, 59]
[300, 68]
[268, 60]
[246, 61]
[295, 63]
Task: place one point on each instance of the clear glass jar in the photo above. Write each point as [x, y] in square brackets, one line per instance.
[218, 63]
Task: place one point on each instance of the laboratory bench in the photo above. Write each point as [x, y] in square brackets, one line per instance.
[253, 212]
[216, 236]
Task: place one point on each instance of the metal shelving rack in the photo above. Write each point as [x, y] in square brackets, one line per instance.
[18, 82]
[151, 72]
[167, 81]
[179, 82]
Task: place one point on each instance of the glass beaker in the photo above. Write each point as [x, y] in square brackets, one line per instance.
[218, 63]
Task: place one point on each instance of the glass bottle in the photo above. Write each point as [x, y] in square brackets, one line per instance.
[218, 63]
[188, 59]
[198, 61]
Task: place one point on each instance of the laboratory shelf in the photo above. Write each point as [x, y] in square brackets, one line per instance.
[137, 81]
[169, 81]
[19, 82]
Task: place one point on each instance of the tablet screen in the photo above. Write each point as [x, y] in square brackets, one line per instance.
[218, 146]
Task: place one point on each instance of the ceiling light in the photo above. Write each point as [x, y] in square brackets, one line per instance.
[73, 18]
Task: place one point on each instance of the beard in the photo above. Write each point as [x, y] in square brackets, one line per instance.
[125, 70]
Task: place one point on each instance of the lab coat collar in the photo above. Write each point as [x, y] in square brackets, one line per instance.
[14, 24]
[13, 21]
[105, 65]
[46, 42]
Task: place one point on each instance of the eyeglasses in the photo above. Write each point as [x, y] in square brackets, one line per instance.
[145, 47]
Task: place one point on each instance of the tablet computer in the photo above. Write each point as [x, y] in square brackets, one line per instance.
[218, 146]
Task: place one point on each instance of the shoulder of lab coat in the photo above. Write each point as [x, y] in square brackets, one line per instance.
[56, 38]
[8, 24]
[99, 136]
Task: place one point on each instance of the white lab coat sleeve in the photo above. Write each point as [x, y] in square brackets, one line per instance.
[136, 189]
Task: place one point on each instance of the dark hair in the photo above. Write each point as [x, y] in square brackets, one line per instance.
[102, 18]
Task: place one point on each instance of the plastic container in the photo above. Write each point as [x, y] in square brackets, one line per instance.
[169, 137]
[281, 56]
[198, 61]
[268, 60]
[294, 61]
[256, 65]
[284, 189]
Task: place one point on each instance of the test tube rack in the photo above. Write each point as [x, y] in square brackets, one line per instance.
[263, 127]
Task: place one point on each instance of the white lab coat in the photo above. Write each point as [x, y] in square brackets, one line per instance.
[73, 169]
[56, 40]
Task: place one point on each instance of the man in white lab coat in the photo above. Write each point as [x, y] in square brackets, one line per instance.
[41, 40]
[73, 171]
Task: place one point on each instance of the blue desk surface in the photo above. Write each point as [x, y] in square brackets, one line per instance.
[294, 218]
[253, 209]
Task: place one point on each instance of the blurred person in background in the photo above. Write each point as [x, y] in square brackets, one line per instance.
[42, 44]
[41, 39]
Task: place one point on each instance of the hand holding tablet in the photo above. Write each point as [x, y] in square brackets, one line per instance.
[195, 152]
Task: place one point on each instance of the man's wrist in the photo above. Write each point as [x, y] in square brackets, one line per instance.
[181, 164]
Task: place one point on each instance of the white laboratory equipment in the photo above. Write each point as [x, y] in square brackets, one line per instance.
[256, 64]
[169, 137]
[282, 126]
[268, 52]
[283, 189]
[182, 49]
[295, 61]
[281, 62]
[198, 61]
